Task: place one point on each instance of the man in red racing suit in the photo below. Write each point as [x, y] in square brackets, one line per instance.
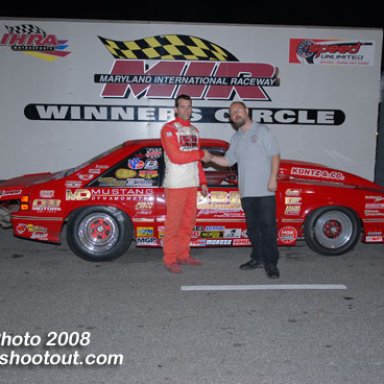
[183, 175]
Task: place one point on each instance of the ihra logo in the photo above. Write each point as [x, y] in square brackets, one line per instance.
[34, 41]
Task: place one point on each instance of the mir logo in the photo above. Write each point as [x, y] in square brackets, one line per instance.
[199, 79]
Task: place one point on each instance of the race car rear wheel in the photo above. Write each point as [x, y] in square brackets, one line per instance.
[99, 233]
[332, 231]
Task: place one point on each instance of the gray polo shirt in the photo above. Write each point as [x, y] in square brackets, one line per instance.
[253, 151]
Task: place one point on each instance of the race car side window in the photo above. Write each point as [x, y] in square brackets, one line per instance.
[140, 169]
[218, 176]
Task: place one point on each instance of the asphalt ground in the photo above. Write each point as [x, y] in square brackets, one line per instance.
[321, 322]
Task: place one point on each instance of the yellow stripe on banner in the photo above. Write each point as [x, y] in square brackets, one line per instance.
[198, 51]
[151, 53]
[172, 50]
[199, 43]
[112, 44]
[128, 55]
[131, 45]
[153, 42]
[174, 39]
[42, 56]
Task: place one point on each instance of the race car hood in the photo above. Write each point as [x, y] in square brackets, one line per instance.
[12, 189]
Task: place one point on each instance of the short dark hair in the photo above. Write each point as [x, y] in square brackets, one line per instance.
[184, 97]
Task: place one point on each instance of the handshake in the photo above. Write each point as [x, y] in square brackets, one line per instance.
[207, 156]
[219, 160]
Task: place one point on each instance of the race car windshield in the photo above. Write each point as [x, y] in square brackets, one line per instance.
[70, 171]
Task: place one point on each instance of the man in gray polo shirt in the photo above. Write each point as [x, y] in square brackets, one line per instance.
[256, 152]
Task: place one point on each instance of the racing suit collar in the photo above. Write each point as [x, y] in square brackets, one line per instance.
[185, 123]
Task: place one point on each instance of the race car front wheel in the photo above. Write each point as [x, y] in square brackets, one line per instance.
[332, 231]
[99, 233]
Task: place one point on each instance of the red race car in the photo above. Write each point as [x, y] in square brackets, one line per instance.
[118, 197]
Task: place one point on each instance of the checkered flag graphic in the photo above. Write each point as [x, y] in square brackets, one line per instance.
[25, 29]
[168, 47]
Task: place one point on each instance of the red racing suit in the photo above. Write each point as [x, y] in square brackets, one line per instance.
[183, 175]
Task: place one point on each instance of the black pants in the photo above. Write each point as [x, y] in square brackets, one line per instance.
[260, 215]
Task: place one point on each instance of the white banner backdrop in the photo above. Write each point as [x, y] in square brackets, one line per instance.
[71, 89]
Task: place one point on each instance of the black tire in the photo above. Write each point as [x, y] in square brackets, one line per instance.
[332, 231]
[99, 233]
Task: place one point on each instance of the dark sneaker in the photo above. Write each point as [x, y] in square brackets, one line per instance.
[272, 272]
[252, 264]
